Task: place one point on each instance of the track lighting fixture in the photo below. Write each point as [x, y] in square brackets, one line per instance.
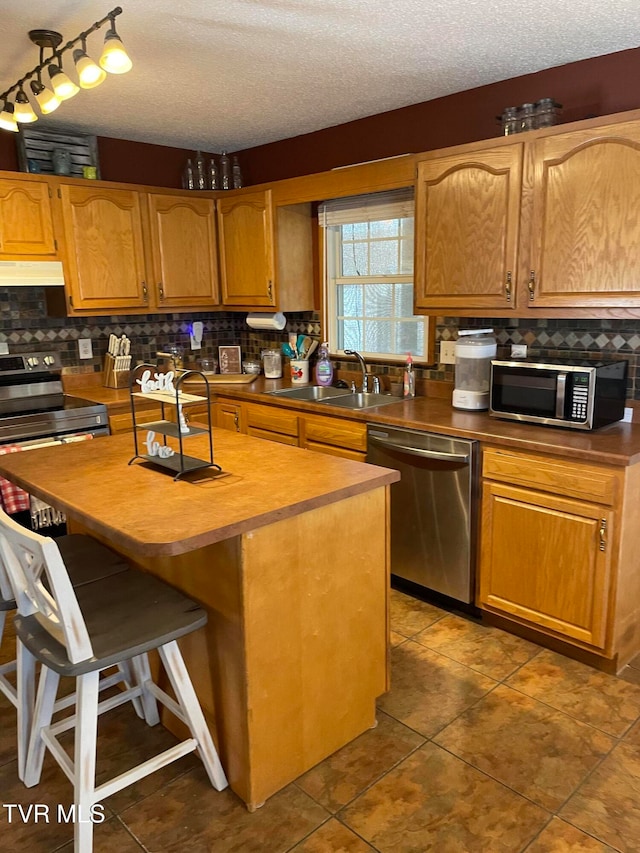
[114, 60]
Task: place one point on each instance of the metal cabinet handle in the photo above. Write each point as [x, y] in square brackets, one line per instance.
[507, 287]
[532, 284]
[603, 531]
[161, 291]
[236, 421]
[440, 456]
[270, 291]
[145, 291]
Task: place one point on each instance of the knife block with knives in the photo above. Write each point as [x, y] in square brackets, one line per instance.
[117, 363]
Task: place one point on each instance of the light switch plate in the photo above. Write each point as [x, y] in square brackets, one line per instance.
[447, 352]
[85, 349]
[4, 348]
[628, 414]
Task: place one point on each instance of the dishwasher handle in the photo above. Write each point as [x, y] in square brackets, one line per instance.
[463, 458]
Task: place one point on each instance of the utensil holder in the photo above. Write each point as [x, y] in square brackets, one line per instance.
[112, 378]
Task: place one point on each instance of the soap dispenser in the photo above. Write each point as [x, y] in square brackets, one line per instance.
[324, 368]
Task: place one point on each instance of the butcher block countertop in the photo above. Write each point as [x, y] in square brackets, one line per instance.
[616, 444]
[140, 507]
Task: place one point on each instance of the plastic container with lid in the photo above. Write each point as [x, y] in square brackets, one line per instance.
[474, 350]
[272, 363]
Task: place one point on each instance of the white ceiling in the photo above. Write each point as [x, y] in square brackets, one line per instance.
[231, 74]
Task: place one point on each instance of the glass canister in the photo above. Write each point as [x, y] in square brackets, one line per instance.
[272, 363]
[527, 117]
[547, 112]
[509, 121]
[474, 350]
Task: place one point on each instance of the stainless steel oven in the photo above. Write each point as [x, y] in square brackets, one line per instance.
[35, 412]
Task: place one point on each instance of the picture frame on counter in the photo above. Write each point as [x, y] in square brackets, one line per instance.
[230, 359]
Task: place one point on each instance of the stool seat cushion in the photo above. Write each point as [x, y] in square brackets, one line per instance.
[126, 614]
[86, 559]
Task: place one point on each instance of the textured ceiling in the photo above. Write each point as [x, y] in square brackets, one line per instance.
[231, 74]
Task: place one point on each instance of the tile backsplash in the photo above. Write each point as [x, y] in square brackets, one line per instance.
[25, 326]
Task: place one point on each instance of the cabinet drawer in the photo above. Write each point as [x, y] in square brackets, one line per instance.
[268, 435]
[557, 476]
[272, 419]
[334, 431]
[123, 421]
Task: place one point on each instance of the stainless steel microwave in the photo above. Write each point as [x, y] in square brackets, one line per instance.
[576, 394]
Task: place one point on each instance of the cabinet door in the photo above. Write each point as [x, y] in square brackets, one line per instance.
[229, 415]
[26, 224]
[585, 245]
[467, 221]
[105, 252]
[184, 251]
[245, 229]
[546, 561]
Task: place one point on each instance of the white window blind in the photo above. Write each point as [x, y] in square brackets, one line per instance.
[395, 204]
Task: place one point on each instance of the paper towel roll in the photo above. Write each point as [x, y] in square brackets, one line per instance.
[275, 322]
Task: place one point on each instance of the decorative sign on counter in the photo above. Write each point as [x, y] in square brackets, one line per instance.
[160, 382]
[154, 448]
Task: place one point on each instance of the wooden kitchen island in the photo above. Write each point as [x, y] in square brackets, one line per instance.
[288, 552]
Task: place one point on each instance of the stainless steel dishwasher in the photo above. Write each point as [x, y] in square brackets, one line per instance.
[432, 507]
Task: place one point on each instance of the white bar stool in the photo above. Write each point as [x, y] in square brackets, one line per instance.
[81, 632]
[87, 560]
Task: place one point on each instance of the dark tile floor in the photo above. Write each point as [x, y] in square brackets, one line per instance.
[485, 743]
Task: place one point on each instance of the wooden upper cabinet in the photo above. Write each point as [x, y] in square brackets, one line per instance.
[26, 224]
[105, 250]
[183, 243]
[585, 237]
[247, 257]
[467, 222]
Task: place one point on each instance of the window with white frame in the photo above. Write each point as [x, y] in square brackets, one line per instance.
[368, 280]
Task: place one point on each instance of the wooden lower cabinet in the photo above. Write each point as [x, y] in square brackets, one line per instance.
[272, 423]
[552, 546]
[323, 433]
[335, 436]
[228, 414]
[123, 421]
[542, 562]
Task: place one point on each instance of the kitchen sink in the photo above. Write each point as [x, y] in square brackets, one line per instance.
[313, 393]
[361, 400]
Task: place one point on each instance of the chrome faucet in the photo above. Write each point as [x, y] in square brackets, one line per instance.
[363, 365]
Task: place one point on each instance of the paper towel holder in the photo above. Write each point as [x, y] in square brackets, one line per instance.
[267, 322]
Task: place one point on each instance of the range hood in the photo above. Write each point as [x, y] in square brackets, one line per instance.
[31, 274]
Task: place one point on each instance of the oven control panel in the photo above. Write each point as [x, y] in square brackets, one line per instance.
[29, 362]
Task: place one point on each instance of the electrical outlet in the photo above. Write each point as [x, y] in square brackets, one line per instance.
[518, 350]
[447, 352]
[4, 349]
[85, 349]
